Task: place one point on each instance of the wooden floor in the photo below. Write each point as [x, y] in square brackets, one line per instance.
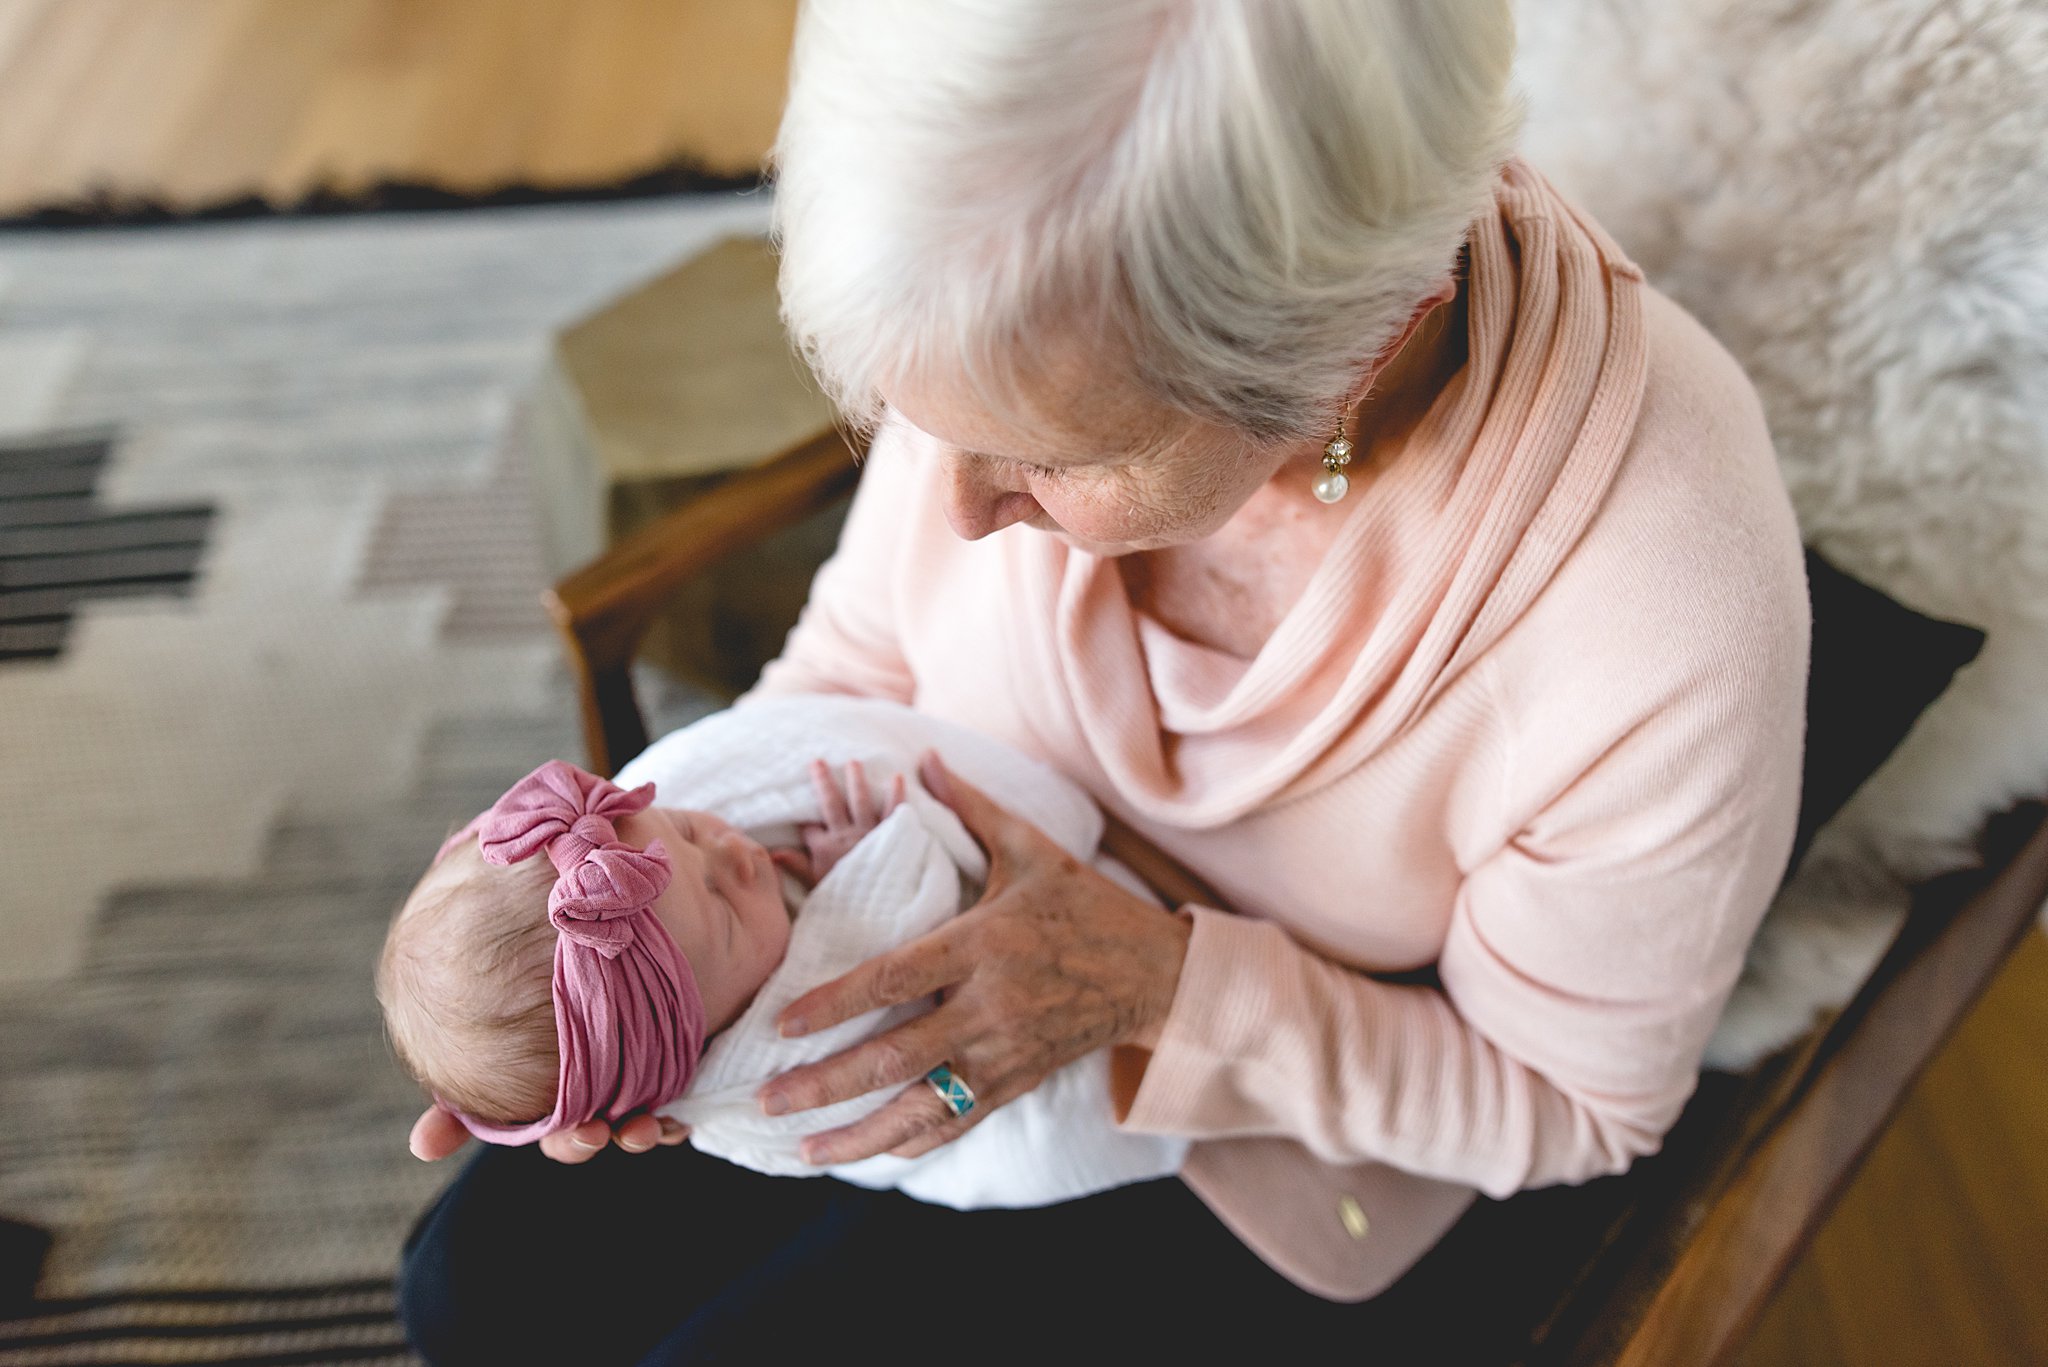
[1935, 1255]
[192, 102]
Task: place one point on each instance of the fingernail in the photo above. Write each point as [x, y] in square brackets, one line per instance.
[580, 1142]
[934, 771]
[775, 1103]
[794, 1026]
[634, 1146]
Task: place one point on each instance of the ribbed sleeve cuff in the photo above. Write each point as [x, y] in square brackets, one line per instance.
[1226, 994]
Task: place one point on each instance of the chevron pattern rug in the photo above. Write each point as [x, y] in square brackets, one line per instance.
[268, 629]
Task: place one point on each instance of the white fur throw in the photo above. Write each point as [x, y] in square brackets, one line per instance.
[1853, 196]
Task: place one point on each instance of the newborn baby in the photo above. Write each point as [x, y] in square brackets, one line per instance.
[580, 951]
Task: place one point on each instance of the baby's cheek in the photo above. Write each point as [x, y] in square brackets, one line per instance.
[774, 944]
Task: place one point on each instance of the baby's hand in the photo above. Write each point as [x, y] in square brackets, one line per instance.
[849, 814]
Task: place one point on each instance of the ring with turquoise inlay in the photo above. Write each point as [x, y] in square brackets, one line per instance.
[952, 1090]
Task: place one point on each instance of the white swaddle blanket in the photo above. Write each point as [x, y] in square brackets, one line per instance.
[915, 871]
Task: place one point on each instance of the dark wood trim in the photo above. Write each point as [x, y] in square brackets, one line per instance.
[603, 610]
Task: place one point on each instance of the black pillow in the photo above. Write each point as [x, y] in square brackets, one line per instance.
[1877, 665]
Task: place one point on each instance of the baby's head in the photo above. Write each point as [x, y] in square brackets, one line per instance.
[467, 979]
[466, 984]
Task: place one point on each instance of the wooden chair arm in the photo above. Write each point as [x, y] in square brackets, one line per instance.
[1176, 884]
[604, 609]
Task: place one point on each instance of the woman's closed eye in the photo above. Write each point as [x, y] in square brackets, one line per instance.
[1029, 467]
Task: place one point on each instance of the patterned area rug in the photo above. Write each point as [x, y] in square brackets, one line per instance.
[283, 636]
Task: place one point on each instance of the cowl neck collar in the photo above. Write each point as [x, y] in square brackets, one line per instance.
[1447, 545]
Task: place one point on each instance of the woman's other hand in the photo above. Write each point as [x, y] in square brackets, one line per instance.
[436, 1134]
[1055, 961]
[850, 812]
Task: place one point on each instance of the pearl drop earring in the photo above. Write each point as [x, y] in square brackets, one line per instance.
[1332, 484]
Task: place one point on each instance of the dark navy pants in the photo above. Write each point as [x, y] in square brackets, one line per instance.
[673, 1257]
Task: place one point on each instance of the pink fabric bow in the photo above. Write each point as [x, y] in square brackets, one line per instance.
[628, 1014]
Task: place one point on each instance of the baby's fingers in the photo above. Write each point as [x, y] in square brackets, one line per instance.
[857, 790]
[797, 862]
[831, 802]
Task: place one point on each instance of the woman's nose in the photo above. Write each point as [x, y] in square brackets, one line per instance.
[977, 503]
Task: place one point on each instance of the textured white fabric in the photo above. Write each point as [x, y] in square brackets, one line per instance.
[912, 873]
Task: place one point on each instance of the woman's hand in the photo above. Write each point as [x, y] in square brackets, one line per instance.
[1055, 961]
[850, 812]
[436, 1134]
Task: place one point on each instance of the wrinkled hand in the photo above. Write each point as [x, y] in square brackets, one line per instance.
[436, 1134]
[850, 813]
[1055, 961]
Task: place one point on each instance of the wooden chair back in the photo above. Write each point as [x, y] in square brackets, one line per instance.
[1668, 1265]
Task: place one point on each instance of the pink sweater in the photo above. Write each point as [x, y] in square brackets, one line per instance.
[1537, 721]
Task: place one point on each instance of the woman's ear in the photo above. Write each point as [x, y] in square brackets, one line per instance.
[1443, 294]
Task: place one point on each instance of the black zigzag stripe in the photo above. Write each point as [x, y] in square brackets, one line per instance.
[59, 548]
[221, 1326]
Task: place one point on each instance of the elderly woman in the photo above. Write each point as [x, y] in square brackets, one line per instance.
[1262, 446]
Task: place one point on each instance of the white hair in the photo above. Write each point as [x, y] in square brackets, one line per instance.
[1245, 198]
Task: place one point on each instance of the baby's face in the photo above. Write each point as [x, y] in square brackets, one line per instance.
[723, 904]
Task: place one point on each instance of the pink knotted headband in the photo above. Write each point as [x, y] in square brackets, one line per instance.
[628, 1014]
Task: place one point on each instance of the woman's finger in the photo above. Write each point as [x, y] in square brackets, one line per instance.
[899, 792]
[913, 1113]
[637, 1133]
[673, 1132]
[857, 790]
[435, 1135]
[948, 1130]
[988, 821]
[902, 1055]
[831, 802]
[578, 1145]
[904, 974]
[987, 1097]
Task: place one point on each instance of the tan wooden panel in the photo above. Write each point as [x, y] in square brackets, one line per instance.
[1934, 1254]
[190, 102]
